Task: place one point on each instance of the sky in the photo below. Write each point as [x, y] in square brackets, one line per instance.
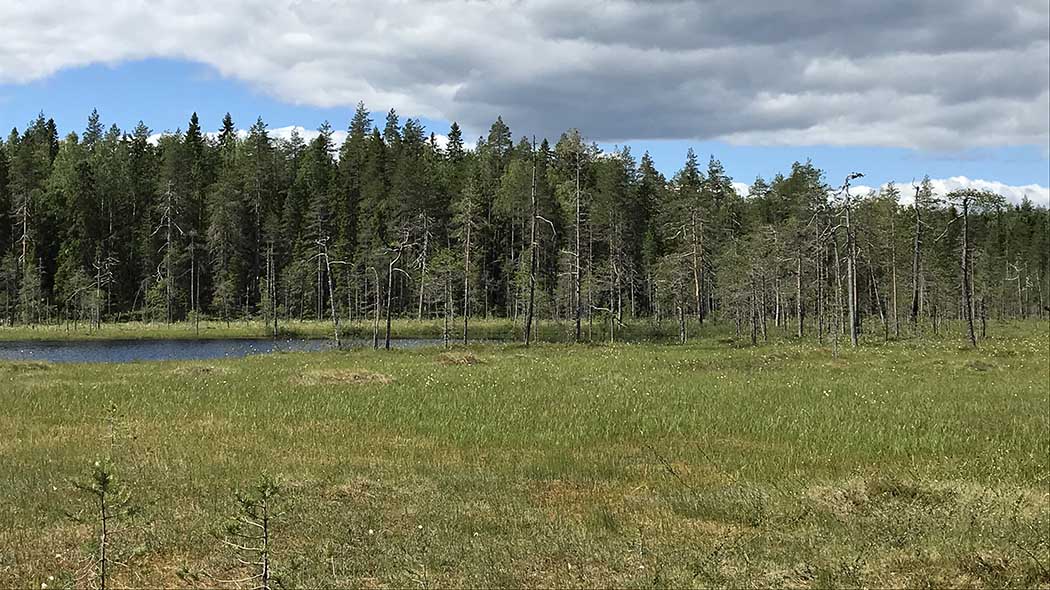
[955, 89]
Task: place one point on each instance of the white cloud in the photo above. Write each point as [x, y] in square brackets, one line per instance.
[308, 135]
[943, 74]
[277, 133]
[1037, 194]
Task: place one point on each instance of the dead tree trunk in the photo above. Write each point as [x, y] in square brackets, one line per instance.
[916, 265]
[466, 283]
[879, 303]
[851, 263]
[893, 275]
[169, 277]
[799, 305]
[323, 246]
[752, 311]
[445, 334]
[532, 254]
[423, 266]
[696, 262]
[271, 286]
[376, 309]
[838, 292]
[967, 278]
[390, 289]
[578, 311]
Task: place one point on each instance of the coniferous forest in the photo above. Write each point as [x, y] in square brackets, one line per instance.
[111, 225]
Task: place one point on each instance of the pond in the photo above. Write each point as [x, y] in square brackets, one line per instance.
[124, 351]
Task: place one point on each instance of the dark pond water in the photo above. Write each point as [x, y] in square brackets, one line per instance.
[123, 351]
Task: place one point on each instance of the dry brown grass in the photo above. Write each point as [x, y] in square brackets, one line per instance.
[24, 366]
[199, 370]
[343, 377]
[462, 358]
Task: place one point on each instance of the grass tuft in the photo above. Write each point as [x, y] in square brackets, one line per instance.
[455, 357]
[343, 377]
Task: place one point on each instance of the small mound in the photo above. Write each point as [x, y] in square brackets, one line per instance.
[907, 491]
[343, 376]
[459, 358]
[197, 370]
[859, 495]
[980, 366]
[26, 366]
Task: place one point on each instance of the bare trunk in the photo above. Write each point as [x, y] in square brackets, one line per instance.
[389, 293]
[799, 306]
[893, 277]
[375, 313]
[532, 253]
[423, 267]
[879, 304]
[838, 295]
[466, 283]
[967, 278]
[696, 266]
[851, 274]
[916, 266]
[331, 296]
[576, 274]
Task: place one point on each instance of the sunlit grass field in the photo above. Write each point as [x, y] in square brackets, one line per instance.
[917, 463]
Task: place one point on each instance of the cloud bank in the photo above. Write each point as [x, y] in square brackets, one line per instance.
[934, 74]
[1039, 195]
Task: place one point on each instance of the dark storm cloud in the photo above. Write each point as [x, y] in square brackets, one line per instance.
[934, 74]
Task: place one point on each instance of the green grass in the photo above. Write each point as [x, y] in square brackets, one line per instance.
[913, 463]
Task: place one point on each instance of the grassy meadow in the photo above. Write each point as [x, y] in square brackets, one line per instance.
[710, 464]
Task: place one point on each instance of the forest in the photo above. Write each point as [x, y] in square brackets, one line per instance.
[110, 225]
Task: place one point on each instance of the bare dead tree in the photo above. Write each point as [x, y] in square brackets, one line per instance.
[423, 259]
[193, 282]
[168, 224]
[838, 292]
[24, 214]
[1017, 278]
[468, 211]
[800, 308]
[322, 255]
[445, 334]
[378, 299]
[969, 199]
[271, 285]
[577, 311]
[893, 272]
[103, 277]
[851, 258]
[916, 261]
[398, 250]
[532, 248]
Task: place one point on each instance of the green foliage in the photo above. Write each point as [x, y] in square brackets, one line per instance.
[207, 208]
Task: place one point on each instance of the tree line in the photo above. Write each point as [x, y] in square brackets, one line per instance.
[111, 225]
